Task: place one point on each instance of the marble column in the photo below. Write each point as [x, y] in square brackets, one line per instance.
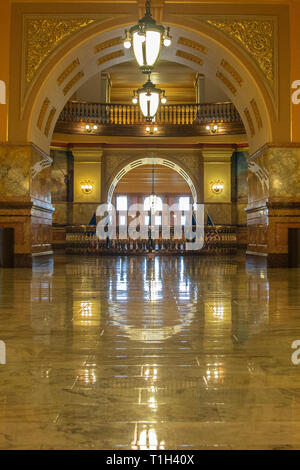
[273, 202]
[25, 200]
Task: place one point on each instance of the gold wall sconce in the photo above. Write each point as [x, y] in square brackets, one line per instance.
[217, 186]
[91, 128]
[151, 130]
[87, 186]
[213, 129]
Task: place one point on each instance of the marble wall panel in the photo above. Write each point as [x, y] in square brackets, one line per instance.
[15, 164]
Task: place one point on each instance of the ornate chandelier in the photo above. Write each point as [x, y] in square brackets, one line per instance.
[148, 98]
[147, 37]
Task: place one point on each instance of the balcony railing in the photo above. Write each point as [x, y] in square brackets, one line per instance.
[82, 240]
[128, 114]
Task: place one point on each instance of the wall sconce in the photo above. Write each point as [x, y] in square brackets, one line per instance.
[151, 130]
[216, 186]
[89, 128]
[86, 186]
[213, 129]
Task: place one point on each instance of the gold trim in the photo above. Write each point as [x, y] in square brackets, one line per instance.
[250, 122]
[256, 35]
[192, 44]
[111, 56]
[188, 56]
[256, 114]
[43, 34]
[230, 69]
[49, 121]
[226, 82]
[106, 44]
[43, 111]
[72, 82]
[67, 71]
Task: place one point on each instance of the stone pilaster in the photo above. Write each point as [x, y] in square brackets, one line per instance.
[274, 202]
[25, 199]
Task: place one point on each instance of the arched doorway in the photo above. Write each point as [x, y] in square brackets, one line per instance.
[157, 162]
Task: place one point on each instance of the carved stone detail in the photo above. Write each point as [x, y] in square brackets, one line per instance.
[113, 55]
[73, 81]
[257, 36]
[230, 69]
[43, 111]
[188, 56]
[67, 71]
[49, 121]
[43, 34]
[226, 82]
[192, 44]
[256, 114]
[250, 122]
[106, 44]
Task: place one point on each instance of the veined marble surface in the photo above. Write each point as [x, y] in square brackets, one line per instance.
[149, 353]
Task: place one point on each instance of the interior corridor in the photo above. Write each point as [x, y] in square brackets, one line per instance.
[149, 353]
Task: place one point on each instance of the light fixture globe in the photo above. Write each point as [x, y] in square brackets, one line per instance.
[147, 38]
[148, 97]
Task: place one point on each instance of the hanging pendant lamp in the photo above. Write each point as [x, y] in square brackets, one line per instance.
[147, 37]
[153, 198]
[148, 98]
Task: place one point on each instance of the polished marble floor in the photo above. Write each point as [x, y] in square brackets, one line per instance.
[149, 353]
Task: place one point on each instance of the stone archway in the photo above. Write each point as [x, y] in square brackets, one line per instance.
[240, 52]
[204, 45]
[152, 161]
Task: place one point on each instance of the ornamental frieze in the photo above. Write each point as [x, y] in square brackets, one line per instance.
[257, 36]
[42, 34]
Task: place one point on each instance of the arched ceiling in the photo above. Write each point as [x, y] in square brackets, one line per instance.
[221, 62]
[139, 180]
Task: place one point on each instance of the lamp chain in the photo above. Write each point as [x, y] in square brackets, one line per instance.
[148, 3]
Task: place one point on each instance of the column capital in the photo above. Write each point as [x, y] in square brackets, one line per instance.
[87, 154]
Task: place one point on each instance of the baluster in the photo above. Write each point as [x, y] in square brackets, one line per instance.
[113, 114]
[102, 117]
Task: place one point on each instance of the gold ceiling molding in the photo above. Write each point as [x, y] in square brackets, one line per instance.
[68, 70]
[256, 114]
[188, 56]
[43, 33]
[192, 44]
[226, 82]
[107, 57]
[231, 70]
[49, 121]
[73, 81]
[43, 111]
[106, 44]
[250, 122]
[256, 35]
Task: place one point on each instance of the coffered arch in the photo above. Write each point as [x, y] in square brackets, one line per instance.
[99, 46]
[153, 161]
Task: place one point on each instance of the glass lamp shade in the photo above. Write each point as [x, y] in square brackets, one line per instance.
[149, 104]
[146, 48]
[149, 100]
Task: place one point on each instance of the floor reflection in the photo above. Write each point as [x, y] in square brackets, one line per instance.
[149, 353]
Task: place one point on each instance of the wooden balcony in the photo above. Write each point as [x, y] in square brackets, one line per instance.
[171, 120]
